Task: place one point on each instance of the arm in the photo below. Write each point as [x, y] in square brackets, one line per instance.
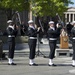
[10, 31]
[73, 32]
[32, 33]
[51, 31]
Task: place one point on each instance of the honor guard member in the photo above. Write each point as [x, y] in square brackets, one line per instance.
[12, 32]
[52, 37]
[73, 43]
[32, 33]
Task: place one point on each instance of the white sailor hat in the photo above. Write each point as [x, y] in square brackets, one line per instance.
[73, 22]
[51, 22]
[9, 21]
[30, 21]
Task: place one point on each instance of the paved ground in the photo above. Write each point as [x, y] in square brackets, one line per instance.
[22, 68]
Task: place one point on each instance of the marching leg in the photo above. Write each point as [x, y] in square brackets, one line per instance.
[52, 52]
[32, 47]
[50, 62]
[73, 59]
[11, 53]
[73, 63]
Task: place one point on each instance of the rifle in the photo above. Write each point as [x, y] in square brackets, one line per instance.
[41, 26]
[60, 21]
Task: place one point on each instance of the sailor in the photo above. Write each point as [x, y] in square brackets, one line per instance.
[53, 34]
[12, 32]
[73, 43]
[32, 33]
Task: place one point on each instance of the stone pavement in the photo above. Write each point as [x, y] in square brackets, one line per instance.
[22, 58]
[22, 68]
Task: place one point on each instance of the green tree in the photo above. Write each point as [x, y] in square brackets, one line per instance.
[11, 6]
[39, 7]
[49, 7]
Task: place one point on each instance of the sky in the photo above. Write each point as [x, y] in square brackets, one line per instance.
[70, 5]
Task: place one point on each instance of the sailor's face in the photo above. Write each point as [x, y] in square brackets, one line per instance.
[32, 24]
[52, 25]
[11, 23]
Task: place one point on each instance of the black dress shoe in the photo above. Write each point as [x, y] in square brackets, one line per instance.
[52, 65]
[12, 64]
[41, 42]
[33, 64]
[73, 65]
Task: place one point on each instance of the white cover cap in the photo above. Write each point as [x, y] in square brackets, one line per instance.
[51, 22]
[9, 21]
[30, 21]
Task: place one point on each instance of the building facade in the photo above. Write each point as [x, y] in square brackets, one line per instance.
[69, 15]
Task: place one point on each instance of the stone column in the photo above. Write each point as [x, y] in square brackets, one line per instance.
[73, 17]
[65, 17]
[69, 17]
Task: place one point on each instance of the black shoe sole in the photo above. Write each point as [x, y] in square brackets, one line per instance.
[52, 65]
[73, 65]
[12, 64]
[33, 64]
